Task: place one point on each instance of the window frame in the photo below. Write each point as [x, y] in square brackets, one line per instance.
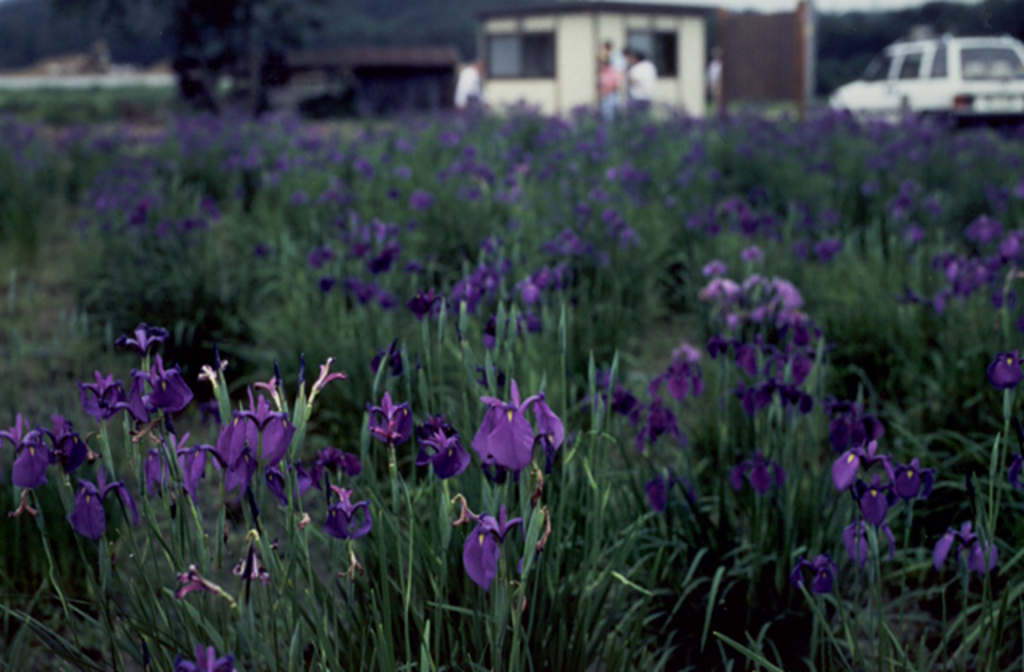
[941, 54]
[521, 35]
[654, 33]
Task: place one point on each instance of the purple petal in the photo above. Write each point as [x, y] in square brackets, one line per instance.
[942, 548]
[844, 470]
[276, 438]
[88, 518]
[480, 557]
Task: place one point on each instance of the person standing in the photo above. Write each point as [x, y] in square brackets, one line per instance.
[469, 92]
[715, 78]
[642, 76]
[609, 83]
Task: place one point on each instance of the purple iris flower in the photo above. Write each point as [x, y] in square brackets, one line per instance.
[320, 256]
[824, 570]
[206, 660]
[145, 338]
[746, 359]
[660, 420]
[334, 460]
[420, 200]
[424, 303]
[393, 357]
[529, 292]
[714, 268]
[267, 433]
[441, 447]
[304, 479]
[88, 518]
[507, 439]
[192, 462]
[844, 469]
[1013, 473]
[625, 403]
[137, 397]
[914, 234]
[31, 455]
[104, 398]
[382, 262]
[155, 472]
[757, 397]
[684, 377]
[389, 422]
[856, 542]
[850, 426]
[1005, 371]
[343, 519]
[751, 254]
[170, 392]
[276, 484]
[983, 230]
[657, 490]
[910, 481]
[483, 546]
[239, 474]
[759, 471]
[966, 540]
[827, 249]
[68, 447]
[874, 500]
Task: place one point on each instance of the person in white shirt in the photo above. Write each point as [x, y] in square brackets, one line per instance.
[642, 76]
[715, 77]
[469, 89]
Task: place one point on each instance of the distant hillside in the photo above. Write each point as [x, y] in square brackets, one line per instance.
[30, 30]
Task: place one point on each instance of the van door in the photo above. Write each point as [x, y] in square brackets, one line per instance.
[908, 87]
[875, 93]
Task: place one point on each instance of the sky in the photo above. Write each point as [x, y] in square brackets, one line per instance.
[821, 5]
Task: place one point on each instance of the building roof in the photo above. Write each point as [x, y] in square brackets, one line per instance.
[354, 57]
[583, 6]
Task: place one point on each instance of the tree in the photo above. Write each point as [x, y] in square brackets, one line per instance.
[242, 40]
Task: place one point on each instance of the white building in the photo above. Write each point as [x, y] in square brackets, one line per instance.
[546, 55]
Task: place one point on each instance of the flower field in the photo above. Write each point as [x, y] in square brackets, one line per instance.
[511, 393]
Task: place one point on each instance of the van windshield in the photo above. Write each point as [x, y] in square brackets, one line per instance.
[990, 63]
[877, 69]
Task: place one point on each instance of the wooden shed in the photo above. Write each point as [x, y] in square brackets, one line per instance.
[545, 55]
[382, 80]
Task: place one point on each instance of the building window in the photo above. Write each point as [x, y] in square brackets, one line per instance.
[660, 47]
[526, 55]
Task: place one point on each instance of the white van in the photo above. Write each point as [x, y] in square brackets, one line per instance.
[970, 78]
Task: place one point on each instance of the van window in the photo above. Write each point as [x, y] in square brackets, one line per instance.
[940, 68]
[911, 66]
[990, 63]
[878, 68]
